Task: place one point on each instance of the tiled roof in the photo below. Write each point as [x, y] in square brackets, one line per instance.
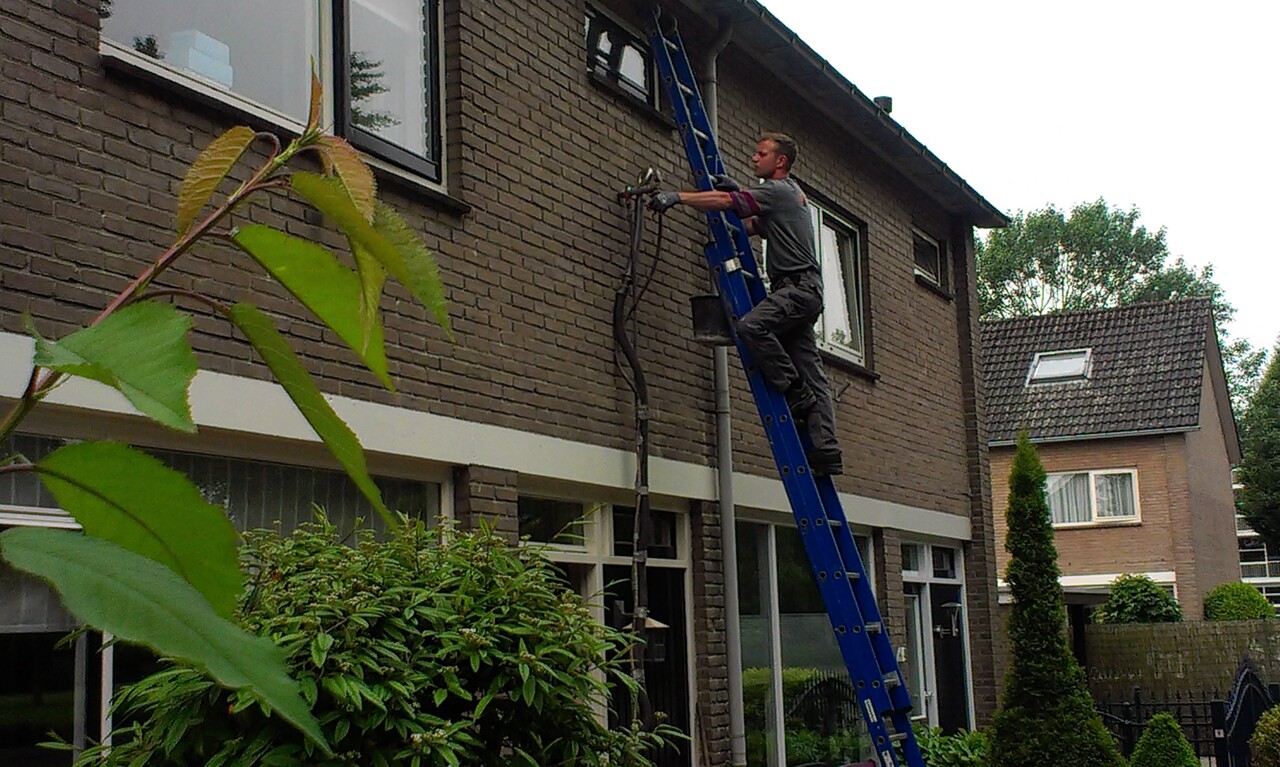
[1147, 363]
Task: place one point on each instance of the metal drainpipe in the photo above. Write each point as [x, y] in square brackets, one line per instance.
[724, 463]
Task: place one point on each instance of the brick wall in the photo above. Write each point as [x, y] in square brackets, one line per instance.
[1167, 658]
[91, 159]
[486, 496]
[1152, 544]
[1212, 503]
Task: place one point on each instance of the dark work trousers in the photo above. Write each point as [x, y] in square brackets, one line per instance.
[779, 334]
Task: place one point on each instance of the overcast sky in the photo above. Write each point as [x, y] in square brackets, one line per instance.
[1170, 106]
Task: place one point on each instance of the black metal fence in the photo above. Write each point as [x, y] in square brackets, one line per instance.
[1218, 728]
[1127, 718]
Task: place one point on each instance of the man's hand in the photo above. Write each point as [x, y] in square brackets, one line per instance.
[722, 183]
[663, 200]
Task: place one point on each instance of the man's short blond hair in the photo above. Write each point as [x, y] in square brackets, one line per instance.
[786, 146]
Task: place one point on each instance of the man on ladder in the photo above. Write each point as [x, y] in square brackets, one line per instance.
[779, 330]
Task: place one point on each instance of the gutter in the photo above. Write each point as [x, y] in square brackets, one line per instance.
[1104, 435]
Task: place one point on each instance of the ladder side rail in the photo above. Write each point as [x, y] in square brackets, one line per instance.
[863, 593]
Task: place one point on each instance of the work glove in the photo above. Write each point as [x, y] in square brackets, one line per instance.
[663, 200]
[722, 183]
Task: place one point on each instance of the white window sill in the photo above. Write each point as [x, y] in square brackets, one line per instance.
[1119, 522]
[35, 516]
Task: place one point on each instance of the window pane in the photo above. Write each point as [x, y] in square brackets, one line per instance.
[841, 321]
[548, 521]
[619, 56]
[262, 51]
[1059, 365]
[1069, 498]
[928, 258]
[1115, 495]
[944, 562]
[662, 538]
[911, 553]
[758, 691]
[392, 63]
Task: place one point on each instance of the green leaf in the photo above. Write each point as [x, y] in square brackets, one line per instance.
[141, 350]
[143, 602]
[424, 273]
[207, 172]
[127, 497]
[343, 159]
[297, 382]
[330, 290]
[389, 240]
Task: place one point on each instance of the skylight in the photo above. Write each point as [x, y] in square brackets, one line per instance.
[1056, 367]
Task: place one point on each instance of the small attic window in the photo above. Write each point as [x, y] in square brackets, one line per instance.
[1057, 367]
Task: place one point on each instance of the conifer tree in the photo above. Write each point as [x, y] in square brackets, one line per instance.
[1047, 718]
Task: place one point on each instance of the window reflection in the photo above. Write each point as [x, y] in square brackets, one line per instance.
[390, 72]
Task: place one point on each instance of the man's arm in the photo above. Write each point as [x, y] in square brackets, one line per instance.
[706, 201]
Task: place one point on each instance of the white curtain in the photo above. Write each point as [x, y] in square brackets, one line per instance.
[1115, 495]
[1069, 498]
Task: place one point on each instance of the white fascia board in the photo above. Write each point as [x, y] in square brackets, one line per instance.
[252, 406]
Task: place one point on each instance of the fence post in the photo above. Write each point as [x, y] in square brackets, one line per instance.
[1133, 730]
[1221, 754]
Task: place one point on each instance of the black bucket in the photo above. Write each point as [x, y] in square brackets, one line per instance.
[710, 326]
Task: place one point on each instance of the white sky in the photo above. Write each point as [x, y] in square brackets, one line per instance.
[1170, 106]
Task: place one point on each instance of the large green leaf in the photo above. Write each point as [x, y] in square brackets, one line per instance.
[329, 289]
[342, 158]
[143, 602]
[127, 497]
[207, 172]
[424, 273]
[140, 350]
[295, 379]
[411, 266]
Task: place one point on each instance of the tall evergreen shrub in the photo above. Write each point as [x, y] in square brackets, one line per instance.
[1047, 718]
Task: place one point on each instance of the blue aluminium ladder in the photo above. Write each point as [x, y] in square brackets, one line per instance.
[828, 542]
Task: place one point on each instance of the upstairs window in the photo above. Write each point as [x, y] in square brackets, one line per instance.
[1060, 366]
[840, 257]
[1092, 497]
[620, 58]
[930, 260]
[379, 61]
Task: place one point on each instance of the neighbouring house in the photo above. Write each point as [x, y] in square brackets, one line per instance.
[503, 133]
[1129, 410]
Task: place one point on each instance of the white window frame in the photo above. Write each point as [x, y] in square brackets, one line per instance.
[854, 289]
[937, 280]
[928, 674]
[1094, 519]
[1086, 366]
[322, 23]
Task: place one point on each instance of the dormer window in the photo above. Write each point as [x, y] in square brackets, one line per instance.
[1060, 366]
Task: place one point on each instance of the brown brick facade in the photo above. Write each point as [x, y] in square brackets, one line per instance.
[531, 245]
[1186, 525]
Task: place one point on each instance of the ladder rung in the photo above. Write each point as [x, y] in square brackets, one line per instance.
[702, 137]
[892, 680]
[686, 90]
[875, 627]
[671, 44]
[897, 737]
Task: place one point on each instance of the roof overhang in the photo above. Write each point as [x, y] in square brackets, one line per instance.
[761, 35]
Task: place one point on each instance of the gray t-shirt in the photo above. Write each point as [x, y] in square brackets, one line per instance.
[782, 216]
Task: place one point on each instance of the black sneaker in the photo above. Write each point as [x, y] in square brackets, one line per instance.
[825, 462]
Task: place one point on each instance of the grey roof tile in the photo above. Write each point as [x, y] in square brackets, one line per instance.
[1147, 364]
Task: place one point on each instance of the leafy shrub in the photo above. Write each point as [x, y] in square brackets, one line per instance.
[963, 749]
[1237, 602]
[429, 648]
[1047, 718]
[1163, 745]
[1137, 599]
[1264, 744]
